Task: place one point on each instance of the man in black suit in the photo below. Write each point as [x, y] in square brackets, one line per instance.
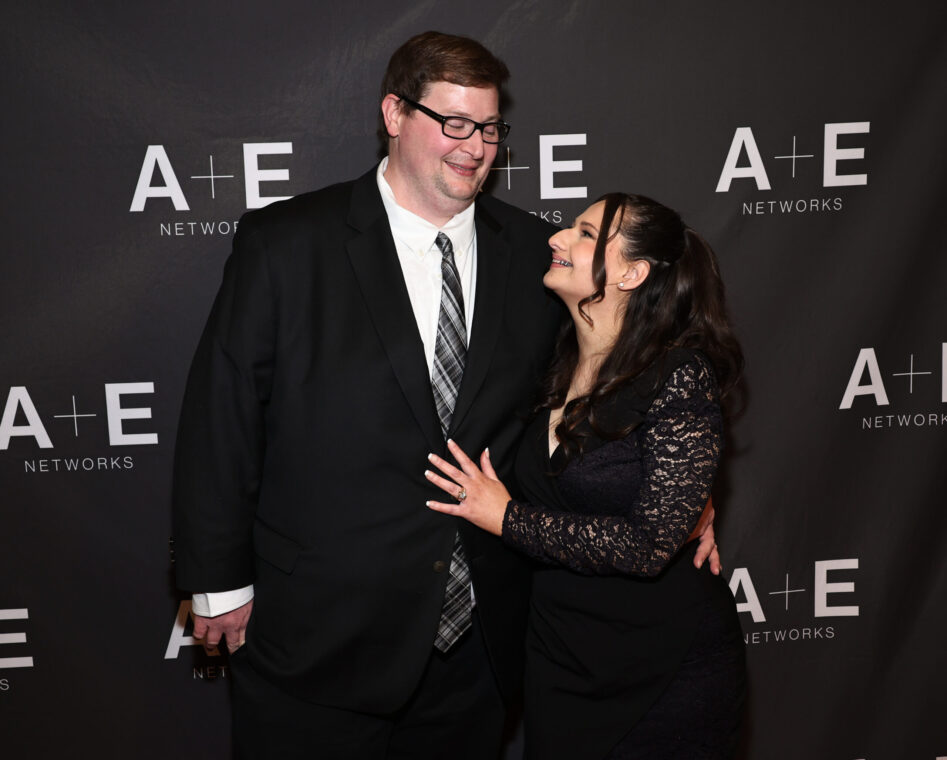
[312, 403]
[356, 329]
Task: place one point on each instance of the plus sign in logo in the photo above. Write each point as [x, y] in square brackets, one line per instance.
[75, 416]
[507, 166]
[212, 177]
[891, 391]
[786, 592]
[794, 156]
[775, 188]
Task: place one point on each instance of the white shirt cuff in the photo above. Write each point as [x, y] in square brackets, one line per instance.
[217, 603]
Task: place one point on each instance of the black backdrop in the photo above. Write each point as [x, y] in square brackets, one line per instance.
[804, 139]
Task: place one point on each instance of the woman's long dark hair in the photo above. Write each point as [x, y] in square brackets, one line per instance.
[681, 303]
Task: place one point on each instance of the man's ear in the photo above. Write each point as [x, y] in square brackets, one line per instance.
[636, 273]
[392, 112]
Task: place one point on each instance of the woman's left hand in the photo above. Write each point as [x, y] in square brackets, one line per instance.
[482, 498]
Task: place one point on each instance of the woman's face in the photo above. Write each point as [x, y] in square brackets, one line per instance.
[570, 273]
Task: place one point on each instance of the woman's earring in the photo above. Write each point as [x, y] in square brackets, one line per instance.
[621, 284]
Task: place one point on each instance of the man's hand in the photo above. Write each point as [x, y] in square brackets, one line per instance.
[231, 626]
[708, 547]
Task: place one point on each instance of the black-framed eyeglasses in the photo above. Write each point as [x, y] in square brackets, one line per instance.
[460, 127]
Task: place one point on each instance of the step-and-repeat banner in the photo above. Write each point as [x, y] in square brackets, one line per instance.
[804, 139]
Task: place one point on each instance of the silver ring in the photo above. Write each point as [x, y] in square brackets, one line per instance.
[461, 494]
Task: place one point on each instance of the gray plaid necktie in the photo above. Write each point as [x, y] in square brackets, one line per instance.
[450, 352]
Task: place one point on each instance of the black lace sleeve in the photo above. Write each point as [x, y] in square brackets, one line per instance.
[680, 447]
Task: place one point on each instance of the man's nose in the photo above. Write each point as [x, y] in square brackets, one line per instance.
[474, 144]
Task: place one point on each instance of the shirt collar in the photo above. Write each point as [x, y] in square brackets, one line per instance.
[418, 234]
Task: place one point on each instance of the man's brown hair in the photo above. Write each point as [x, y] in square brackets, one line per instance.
[432, 57]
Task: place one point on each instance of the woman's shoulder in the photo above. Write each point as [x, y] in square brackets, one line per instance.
[692, 363]
[687, 375]
[679, 375]
[677, 367]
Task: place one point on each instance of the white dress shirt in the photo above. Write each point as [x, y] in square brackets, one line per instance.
[420, 260]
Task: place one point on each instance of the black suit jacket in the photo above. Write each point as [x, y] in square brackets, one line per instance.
[303, 438]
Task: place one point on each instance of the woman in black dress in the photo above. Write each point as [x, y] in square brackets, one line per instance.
[631, 652]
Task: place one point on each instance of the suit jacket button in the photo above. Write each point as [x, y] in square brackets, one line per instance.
[440, 566]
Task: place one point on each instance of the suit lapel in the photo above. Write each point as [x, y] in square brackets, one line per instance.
[375, 262]
[493, 265]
